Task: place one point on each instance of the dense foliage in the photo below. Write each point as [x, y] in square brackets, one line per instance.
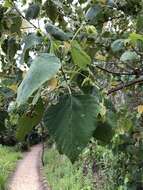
[75, 67]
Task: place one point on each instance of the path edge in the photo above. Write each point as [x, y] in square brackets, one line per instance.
[43, 180]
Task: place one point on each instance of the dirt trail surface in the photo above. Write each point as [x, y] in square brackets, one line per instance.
[27, 175]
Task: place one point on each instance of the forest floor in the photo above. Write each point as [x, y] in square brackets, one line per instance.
[27, 174]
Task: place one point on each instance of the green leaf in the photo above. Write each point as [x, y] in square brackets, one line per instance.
[10, 47]
[140, 23]
[129, 56]
[79, 56]
[94, 14]
[42, 69]
[51, 10]
[32, 40]
[105, 128]
[57, 33]
[7, 3]
[117, 45]
[134, 37]
[16, 22]
[72, 123]
[27, 121]
[32, 11]
[97, 15]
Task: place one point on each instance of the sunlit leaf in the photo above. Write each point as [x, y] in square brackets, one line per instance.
[140, 109]
[79, 56]
[42, 69]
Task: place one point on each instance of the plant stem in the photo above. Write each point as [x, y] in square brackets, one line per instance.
[75, 35]
[65, 78]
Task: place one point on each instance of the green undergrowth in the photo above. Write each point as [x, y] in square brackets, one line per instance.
[85, 174]
[8, 158]
[62, 175]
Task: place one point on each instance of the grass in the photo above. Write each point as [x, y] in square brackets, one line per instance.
[8, 158]
[62, 175]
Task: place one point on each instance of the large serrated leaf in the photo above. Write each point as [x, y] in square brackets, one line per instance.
[72, 123]
[42, 69]
[27, 121]
[79, 56]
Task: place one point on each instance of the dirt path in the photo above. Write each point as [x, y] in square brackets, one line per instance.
[27, 175]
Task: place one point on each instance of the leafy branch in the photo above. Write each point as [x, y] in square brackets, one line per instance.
[115, 73]
[18, 11]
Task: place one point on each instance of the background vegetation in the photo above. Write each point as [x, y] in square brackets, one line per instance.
[72, 70]
[8, 159]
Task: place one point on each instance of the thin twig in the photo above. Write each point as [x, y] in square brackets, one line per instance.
[18, 11]
[43, 146]
[115, 73]
[125, 85]
[65, 78]
[77, 32]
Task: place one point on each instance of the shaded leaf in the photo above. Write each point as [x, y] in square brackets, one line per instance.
[10, 47]
[106, 128]
[15, 23]
[42, 69]
[103, 132]
[57, 33]
[32, 11]
[72, 123]
[94, 14]
[140, 23]
[6, 92]
[51, 10]
[27, 121]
